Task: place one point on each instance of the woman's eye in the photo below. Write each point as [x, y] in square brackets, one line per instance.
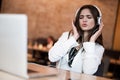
[89, 17]
[81, 16]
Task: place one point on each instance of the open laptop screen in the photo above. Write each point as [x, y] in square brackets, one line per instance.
[13, 43]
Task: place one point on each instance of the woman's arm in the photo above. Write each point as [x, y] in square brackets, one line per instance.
[61, 47]
[92, 57]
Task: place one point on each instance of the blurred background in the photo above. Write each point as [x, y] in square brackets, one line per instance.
[52, 17]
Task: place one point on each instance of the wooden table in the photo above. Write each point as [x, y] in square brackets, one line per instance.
[61, 75]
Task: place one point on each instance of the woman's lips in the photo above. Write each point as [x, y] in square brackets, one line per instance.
[84, 25]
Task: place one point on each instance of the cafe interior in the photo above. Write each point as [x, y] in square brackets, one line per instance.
[48, 19]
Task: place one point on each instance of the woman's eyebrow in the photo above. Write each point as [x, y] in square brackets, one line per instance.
[86, 15]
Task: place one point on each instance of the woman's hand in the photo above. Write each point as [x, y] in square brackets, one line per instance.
[97, 33]
[75, 32]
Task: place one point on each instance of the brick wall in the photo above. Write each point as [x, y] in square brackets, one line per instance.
[52, 17]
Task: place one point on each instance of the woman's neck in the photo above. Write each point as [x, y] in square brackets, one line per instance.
[85, 36]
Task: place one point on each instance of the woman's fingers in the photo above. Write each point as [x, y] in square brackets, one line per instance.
[75, 32]
[97, 33]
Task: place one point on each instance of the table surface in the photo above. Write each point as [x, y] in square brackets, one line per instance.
[60, 74]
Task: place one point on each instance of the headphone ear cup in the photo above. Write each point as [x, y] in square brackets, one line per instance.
[99, 20]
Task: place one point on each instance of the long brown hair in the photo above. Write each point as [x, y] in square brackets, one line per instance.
[95, 13]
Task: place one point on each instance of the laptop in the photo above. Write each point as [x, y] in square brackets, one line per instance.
[13, 48]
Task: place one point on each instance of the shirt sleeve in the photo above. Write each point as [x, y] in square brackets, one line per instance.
[61, 47]
[92, 57]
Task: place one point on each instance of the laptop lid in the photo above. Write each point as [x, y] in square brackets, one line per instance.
[13, 44]
[13, 48]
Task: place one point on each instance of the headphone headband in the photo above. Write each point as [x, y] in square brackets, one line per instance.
[100, 13]
[95, 7]
[77, 12]
[98, 10]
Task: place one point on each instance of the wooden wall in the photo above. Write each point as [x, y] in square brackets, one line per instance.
[116, 44]
[52, 17]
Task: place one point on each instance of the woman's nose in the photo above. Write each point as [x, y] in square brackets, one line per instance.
[84, 19]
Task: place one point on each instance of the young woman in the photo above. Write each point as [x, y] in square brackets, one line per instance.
[81, 49]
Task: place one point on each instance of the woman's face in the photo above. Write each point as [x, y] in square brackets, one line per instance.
[86, 20]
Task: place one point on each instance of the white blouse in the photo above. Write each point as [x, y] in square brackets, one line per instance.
[86, 61]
